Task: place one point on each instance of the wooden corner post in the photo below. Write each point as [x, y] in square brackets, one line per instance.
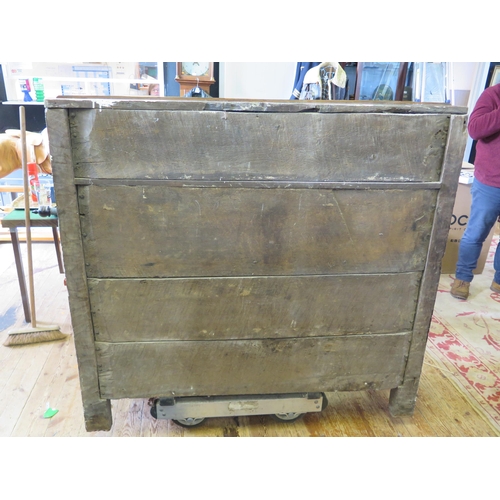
[97, 411]
[403, 398]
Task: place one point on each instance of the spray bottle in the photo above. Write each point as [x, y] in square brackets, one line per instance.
[26, 89]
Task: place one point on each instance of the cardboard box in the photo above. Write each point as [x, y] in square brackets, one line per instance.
[460, 217]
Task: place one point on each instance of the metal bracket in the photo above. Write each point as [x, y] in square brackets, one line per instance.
[231, 406]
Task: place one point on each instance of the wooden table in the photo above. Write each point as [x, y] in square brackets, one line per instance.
[16, 219]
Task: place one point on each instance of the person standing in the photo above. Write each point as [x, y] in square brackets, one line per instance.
[484, 127]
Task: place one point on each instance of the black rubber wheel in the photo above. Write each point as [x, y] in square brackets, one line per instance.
[292, 417]
[325, 401]
[189, 422]
[153, 412]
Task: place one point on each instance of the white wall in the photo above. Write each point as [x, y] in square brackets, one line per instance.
[464, 74]
[256, 80]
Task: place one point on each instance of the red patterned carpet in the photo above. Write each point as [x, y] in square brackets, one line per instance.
[464, 340]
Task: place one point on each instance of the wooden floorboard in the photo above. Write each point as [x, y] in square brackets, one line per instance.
[46, 373]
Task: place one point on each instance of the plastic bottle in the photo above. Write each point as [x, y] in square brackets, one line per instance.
[34, 182]
[39, 89]
[26, 89]
[43, 198]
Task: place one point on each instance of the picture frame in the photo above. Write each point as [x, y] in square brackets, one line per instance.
[433, 82]
[380, 80]
[495, 77]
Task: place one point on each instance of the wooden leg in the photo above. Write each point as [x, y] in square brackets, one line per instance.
[58, 249]
[20, 273]
[402, 399]
[98, 415]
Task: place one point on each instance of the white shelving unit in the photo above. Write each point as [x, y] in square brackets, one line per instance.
[78, 78]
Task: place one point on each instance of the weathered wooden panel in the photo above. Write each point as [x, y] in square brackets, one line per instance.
[252, 105]
[237, 367]
[97, 411]
[152, 144]
[151, 231]
[252, 308]
[402, 399]
[240, 247]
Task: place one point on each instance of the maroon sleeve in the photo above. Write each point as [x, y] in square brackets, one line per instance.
[484, 121]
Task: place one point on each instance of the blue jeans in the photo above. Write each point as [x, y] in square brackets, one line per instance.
[485, 210]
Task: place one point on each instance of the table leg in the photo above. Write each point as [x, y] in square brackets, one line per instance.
[402, 400]
[20, 273]
[58, 249]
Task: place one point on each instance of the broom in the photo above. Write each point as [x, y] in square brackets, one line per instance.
[35, 333]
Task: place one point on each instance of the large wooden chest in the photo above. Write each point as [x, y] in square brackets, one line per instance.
[231, 247]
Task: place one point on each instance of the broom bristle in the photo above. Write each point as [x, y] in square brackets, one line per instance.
[34, 336]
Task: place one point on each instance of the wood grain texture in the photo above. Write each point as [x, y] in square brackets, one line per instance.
[101, 103]
[97, 411]
[268, 184]
[238, 367]
[402, 400]
[221, 194]
[125, 310]
[257, 146]
[245, 232]
[441, 408]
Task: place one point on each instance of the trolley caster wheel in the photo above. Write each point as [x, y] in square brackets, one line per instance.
[153, 412]
[188, 422]
[325, 402]
[287, 417]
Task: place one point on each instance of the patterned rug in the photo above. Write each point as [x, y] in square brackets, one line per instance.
[464, 340]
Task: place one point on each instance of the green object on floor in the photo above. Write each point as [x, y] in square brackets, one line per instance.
[50, 412]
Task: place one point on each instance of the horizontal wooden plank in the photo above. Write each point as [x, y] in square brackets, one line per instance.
[358, 185]
[252, 308]
[37, 234]
[177, 232]
[11, 189]
[251, 105]
[230, 367]
[145, 144]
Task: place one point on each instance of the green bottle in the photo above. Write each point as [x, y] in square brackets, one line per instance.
[39, 91]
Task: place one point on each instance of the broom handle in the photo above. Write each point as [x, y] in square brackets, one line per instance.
[27, 195]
